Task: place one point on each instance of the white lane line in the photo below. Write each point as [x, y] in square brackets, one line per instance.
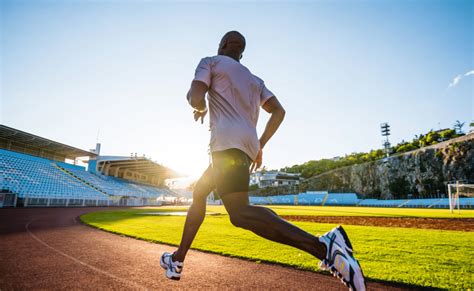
[130, 283]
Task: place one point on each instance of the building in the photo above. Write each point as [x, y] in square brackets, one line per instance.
[274, 179]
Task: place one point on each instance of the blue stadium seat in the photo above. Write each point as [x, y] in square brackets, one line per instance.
[30, 176]
[350, 199]
[36, 177]
[346, 199]
[308, 199]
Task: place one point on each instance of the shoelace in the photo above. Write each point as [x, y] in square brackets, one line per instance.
[175, 268]
[178, 269]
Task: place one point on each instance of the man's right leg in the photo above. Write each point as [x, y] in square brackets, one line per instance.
[266, 223]
[196, 213]
[332, 248]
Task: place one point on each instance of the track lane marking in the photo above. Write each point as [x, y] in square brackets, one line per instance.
[130, 283]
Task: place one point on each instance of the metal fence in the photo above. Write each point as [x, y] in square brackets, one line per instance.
[12, 200]
[8, 200]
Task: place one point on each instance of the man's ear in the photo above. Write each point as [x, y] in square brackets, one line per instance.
[221, 47]
[241, 55]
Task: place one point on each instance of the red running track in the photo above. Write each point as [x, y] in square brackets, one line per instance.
[48, 248]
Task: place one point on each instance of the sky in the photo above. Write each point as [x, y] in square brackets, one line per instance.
[118, 72]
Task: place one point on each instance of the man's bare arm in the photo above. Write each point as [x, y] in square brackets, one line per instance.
[197, 95]
[277, 112]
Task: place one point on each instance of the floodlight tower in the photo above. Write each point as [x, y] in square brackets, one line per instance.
[385, 129]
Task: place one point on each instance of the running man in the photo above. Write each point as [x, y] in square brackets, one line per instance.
[235, 96]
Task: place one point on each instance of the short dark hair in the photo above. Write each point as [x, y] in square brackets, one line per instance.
[224, 38]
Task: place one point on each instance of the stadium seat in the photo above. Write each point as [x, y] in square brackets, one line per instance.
[35, 177]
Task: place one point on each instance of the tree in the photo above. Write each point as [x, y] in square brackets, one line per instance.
[432, 137]
[406, 148]
[447, 134]
[313, 168]
[458, 125]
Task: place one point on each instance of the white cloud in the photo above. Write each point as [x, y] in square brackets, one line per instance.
[469, 73]
[455, 81]
[458, 78]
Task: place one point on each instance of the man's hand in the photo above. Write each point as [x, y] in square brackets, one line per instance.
[258, 161]
[199, 114]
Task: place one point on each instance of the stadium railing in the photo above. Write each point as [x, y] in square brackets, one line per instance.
[350, 199]
[307, 199]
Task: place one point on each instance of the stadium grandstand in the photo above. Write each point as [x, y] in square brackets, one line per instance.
[36, 171]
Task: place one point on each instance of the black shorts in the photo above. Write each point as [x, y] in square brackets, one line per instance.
[230, 171]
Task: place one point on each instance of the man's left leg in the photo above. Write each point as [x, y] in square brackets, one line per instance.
[196, 213]
[173, 263]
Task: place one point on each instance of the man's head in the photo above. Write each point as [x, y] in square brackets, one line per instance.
[232, 44]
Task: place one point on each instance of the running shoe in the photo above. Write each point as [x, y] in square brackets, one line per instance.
[340, 260]
[173, 269]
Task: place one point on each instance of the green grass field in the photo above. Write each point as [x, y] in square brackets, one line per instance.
[421, 257]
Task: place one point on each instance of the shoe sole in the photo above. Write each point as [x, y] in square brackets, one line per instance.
[173, 276]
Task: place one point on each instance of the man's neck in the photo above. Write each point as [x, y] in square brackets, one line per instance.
[237, 58]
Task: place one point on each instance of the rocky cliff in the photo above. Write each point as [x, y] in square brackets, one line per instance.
[423, 172]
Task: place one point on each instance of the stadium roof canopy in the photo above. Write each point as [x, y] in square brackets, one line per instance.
[23, 142]
[134, 168]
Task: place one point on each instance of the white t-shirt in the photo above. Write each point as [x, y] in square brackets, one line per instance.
[235, 97]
